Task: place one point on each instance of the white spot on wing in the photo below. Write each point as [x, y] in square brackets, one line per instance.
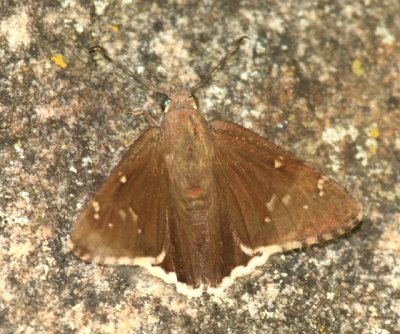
[320, 185]
[247, 250]
[122, 214]
[271, 204]
[286, 199]
[133, 215]
[96, 206]
[278, 163]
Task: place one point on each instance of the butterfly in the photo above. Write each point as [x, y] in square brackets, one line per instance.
[199, 203]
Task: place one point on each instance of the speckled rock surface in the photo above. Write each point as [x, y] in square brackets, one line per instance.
[320, 79]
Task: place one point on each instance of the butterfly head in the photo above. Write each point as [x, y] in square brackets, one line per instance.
[177, 99]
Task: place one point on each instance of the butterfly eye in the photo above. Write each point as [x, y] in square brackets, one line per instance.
[164, 103]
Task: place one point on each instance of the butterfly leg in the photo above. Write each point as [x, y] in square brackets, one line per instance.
[146, 115]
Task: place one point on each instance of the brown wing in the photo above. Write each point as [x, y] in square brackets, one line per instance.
[273, 198]
[125, 222]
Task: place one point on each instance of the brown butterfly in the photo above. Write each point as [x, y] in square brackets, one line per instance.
[199, 203]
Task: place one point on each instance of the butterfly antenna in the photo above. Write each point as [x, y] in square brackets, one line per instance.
[146, 83]
[220, 65]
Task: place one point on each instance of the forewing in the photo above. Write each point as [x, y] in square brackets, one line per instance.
[273, 198]
[125, 222]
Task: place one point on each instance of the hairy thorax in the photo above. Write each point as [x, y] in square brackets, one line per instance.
[188, 157]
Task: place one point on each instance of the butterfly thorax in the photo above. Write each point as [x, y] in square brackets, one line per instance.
[187, 152]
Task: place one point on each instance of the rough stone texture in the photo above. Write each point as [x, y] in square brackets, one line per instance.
[320, 78]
